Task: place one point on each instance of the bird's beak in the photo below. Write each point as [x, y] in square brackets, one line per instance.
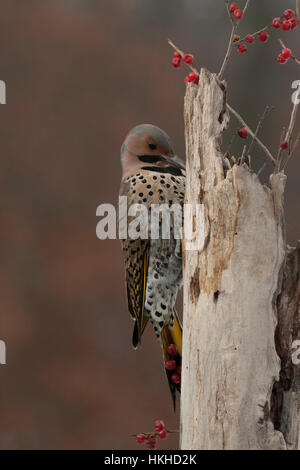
[168, 157]
[174, 160]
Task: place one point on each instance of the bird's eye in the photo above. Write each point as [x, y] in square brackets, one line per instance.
[152, 146]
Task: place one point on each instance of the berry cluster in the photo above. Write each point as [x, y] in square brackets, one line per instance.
[177, 58]
[192, 77]
[263, 36]
[284, 55]
[151, 439]
[173, 366]
[286, 22]
[188, 59]
[236, 11]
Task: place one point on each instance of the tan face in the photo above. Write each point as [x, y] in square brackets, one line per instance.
[145, 145]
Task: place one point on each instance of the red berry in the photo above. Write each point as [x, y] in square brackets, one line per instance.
[152, 442]
[263, 36]
[294, 22]
[286, 25]
[140, 438]
[163, 434]
[238, 14]
[284, 145]
[281, 59]
[233, 7]
[286, 53]
[276, 23]
[177, 55]
[188, 58]
[288, 14]
[176, 62]
[172, 350]
[243, 133]
[170, 365]
[153, 445]
[242, 48]
[159, 425]
[176, 378]
[193, 76]
[250, 39]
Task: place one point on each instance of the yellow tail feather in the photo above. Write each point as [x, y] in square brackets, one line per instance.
[172, 335]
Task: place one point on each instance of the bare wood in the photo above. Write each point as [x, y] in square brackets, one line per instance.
[285, 409]
[231, 363]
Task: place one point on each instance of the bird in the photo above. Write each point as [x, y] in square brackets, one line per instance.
[153, 174]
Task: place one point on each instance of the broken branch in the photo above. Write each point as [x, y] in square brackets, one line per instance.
[259, 142]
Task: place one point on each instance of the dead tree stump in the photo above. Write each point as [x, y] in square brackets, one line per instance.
[240, 389]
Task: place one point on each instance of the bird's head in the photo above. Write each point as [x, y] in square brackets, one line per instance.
[144, 144]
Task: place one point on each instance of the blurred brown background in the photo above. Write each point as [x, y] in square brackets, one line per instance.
[79, 75]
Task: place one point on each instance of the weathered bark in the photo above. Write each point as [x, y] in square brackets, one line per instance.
[235, 289]
[285, 409]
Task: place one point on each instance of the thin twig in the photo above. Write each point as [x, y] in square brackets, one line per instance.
[235, 26]
[297, 8]
[228, 53]
[297, 141]
[289, 132]
[261, 169]
[230, 44]
[243, 154]
[253, 34]
[259, 142]
[246, 6]
[155, 433]
[171, 43]
[261, 120]
[279, 159]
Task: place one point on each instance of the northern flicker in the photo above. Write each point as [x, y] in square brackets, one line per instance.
[153, 174]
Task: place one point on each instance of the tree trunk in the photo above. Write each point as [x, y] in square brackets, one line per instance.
[240, 389]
